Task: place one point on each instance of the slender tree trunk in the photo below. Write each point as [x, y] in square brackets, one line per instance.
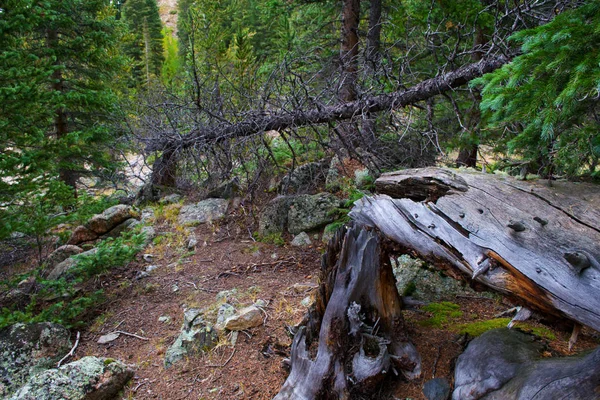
[61, 128]
[372, 58]
[467, 156]
[349, 49]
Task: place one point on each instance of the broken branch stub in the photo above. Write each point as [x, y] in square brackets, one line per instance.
[361, 338]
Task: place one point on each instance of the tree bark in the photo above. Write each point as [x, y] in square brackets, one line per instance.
[357, 314]
[349, 49]
[539, 245]
[61, 127]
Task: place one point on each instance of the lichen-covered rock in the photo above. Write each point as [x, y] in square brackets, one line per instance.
[203, 211]
[196, 336]
[273, 218]
[26, 349]
[225, 312]
[90, 378]
[309, 212]
[305, 178]
[61, 254]
[246, 318]
[110, 218]
[414, 279]
[301, 240]
[225, 190]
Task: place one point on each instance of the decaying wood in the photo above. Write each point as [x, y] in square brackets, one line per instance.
[263, 122]
[538, 244]
[361, 336]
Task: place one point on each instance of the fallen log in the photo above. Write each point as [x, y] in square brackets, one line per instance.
[537, 244]
[357, 314]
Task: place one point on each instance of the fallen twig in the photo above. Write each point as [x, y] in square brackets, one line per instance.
[70, 353]
[131, 334]
[225, 363]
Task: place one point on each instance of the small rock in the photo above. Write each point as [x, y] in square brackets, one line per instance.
[248, 317]
[174, 288]
[301, 288]
[437, 389]
[108, 338]
[307, 301]
[148, 257]
[191, 242]
[260, 303]
[165, 319]
[301, 240]
[151, 268]
[274, 256]
[192, 317]
[141, 275]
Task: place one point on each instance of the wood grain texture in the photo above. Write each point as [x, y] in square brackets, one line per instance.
[537, 243]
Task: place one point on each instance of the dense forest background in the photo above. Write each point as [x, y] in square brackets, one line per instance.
[248, 89]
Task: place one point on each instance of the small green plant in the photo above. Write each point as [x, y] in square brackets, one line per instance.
[272, 238]
[441, 312]
[60, 300]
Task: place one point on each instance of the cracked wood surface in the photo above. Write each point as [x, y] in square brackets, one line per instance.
[536, 243]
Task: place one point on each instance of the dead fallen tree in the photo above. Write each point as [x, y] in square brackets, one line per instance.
[537, 244]
[262, 121]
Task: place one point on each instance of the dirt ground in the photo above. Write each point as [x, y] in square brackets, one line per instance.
[225, 258]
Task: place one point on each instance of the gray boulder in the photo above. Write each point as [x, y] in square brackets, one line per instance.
[61, 254]
[309, 212]
[333, 181]
[109, 218]
[90, 378]
[305, 178]
[203, 211]
[273, 218]
[196, 336]
[62, 268]
[491, 360]
[26, 349]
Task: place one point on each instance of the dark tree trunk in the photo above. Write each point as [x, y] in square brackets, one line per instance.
[61, 127]
[164, 170]
[372, 59]
[349, 49]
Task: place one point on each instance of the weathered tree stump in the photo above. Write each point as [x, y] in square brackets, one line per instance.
[361, 335]
[538, 244]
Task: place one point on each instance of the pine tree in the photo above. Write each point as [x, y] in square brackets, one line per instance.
[145, 40]
[57, 61]
[544, 104]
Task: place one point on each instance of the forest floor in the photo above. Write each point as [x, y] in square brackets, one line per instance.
[227, 258]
